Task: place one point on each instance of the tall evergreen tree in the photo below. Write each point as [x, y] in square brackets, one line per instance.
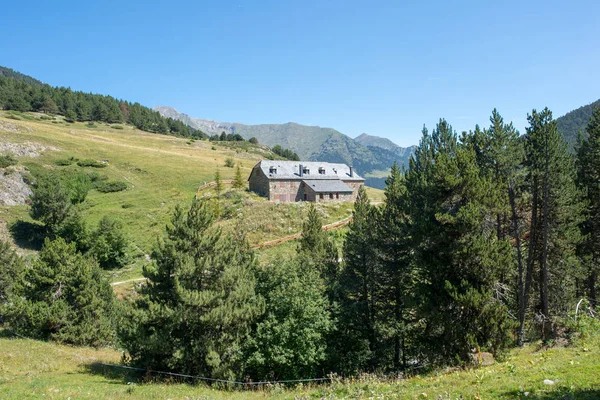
[196, 311]
[459, 261]
[316, 245]
[588, 178]
[397, 269]
[359, 287]
[556, 211]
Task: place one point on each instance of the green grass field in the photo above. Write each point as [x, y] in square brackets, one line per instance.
[160, 171]
[34, 369]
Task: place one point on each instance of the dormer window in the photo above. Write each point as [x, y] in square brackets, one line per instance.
[305, 171]
[335, 171]
[321, 171]
[272, 170]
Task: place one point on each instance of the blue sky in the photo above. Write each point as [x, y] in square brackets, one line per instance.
[381, 67]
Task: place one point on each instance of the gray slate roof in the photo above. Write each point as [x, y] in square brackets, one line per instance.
[291, 170]
[327, 185]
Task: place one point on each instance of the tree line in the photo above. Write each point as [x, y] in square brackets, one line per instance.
[486, 241]
[23, 95]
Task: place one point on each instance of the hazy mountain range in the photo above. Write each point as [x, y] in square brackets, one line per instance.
[372, 156]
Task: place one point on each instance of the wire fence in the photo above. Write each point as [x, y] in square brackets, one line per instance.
[186, 376]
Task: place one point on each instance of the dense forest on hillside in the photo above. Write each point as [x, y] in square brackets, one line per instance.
[22, 93]
[574, 122]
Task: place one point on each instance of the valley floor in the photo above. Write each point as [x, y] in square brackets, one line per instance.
[34, 369]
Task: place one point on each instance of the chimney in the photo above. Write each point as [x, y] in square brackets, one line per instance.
[351, 172]
[300, 172]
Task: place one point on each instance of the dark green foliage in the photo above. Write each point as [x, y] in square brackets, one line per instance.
[110, 186]
[7, 160]
[574, 122]
[9, 73]
[65, 298]
[253, 140]
[315, 244]
[50, 202]
[289, 341]
[459, 261]
[556, 210]
[117, 127]
[65, 161]
[91, 163]
[109, 244]
[77, 183]
[70, 115]
[360, 288]
[285, 153]
[22, 93]
[196, 312]
[588, 179]
[11, 273]
[229, 162]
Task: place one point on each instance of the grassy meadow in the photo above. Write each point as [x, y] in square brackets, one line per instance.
[32, 369]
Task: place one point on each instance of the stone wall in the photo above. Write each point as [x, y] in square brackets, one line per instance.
[258, 182]
[354, 185]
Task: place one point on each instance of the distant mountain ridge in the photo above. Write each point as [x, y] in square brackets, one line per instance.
[573, 122]
[368, 154]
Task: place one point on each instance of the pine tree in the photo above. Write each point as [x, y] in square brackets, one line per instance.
[459, 263]
[50, 202]
[11, 273]
[316, 245]
[109, 244]
[359, 287]
[66, 298]
[588, 178]
[397, 270]
[556, 211]
[238, 182]
[200, 302]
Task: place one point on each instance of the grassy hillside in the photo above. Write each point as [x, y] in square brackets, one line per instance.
[160, 172]
[33, 369]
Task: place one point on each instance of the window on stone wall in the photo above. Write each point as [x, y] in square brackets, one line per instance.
[331, 195]
[337, 195]
[322, 171]
[305, 197]
[305, 171]
[321, 196]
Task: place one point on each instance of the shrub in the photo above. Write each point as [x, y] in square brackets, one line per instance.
[116, 127]
[66, 161]
[91, 163]
[95, 176]
[213, 148]
[91, 125]
[229, 162]
[46, 118]
[7, 160]
[110, 244]
[110, 186]
[65, 298]
[13, 117]
[253, 140]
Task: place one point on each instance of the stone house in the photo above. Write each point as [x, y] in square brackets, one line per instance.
[284, 181]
